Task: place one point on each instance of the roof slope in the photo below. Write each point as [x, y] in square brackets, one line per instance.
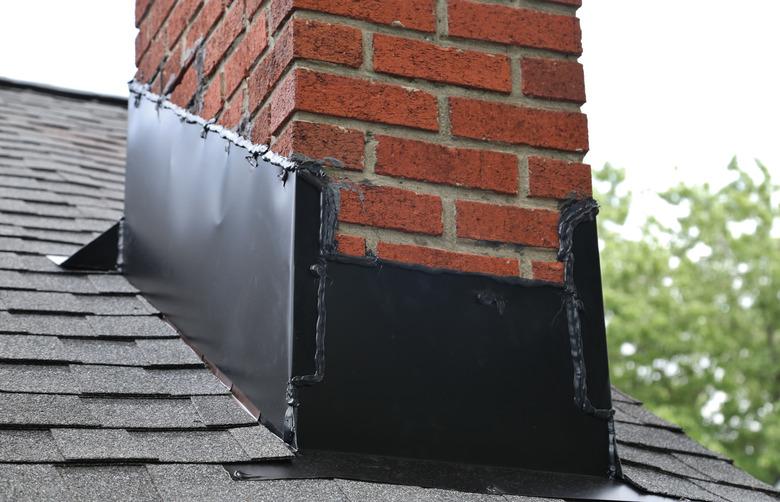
[100, 398]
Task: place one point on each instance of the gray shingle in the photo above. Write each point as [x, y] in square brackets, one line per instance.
[98, 444]
[113, 305]
[108, 483]
[734, 494]
[191, 446]
[168, 352]
[98, 351]
[135, 327]
[658, 460]
[54, 379]
[185, 382]
[35, 263]
[35, 301]
[43, 410]
[65, 237]
[112, 283]
[28, 446]
[221, 410]
[664, 484]
[115, 380]
[721, 470]
[144, 413]
[643, 416]
[31, 195]
[359, 490]
[15, 280]
[659, 438]
[30, 482]
[37, 247]
[100, 213]
[31, 347]
[207, 483]
[11, 261]
[617, 395]
[260, 443]
[36, 324]
[59, 282]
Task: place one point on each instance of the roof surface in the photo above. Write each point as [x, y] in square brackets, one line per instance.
[100, 399]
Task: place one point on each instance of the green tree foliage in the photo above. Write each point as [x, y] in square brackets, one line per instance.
[693, 312]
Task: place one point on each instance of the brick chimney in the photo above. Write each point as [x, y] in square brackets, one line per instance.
[454, 126]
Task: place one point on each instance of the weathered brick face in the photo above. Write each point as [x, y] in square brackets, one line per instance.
[453, 125]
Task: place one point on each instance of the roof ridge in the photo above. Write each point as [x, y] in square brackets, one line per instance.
[63, 91]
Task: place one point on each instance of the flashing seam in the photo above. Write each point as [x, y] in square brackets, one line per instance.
[573, 213]
[329, 204]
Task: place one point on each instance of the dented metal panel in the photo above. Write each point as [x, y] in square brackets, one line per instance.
[209, 240]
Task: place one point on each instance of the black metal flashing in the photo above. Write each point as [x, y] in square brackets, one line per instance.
[104, 253]
[239, 252]
[470, 478]
[39, 358]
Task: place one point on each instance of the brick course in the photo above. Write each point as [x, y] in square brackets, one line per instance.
[454, 123]
[440, 258]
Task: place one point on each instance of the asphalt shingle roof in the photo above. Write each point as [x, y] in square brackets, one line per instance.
[101, 400]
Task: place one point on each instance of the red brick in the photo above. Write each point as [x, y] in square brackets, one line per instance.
[553, 79]
[418, 59]
[151, 60]
[223, 37]
[442, 164]
[417, 15]
[440, 258]
[252, 45]
[310, 91]
[519, 125]
[351, 245]
[185, 90]
[558, 179]
[514, 26]
[394, 208]
[323, 142]
[261, 126]
[517, 225]
[206, 18]
[309, 40]
[141, 7]
[172, 65]
[550, 271]
[212, 100]
[232, 111]
[333, 43]
[142, 40]
[180, 18]
[157, 14]
[251, 7]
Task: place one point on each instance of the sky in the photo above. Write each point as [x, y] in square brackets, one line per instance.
[675, 88]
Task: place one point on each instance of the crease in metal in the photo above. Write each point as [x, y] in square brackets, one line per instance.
[573, 213]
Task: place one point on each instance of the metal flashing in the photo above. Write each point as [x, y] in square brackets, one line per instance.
[235, 245]
[50, 334]
[104, 253]
[468, 478]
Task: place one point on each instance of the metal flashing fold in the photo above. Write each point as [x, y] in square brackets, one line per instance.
[359, 356]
